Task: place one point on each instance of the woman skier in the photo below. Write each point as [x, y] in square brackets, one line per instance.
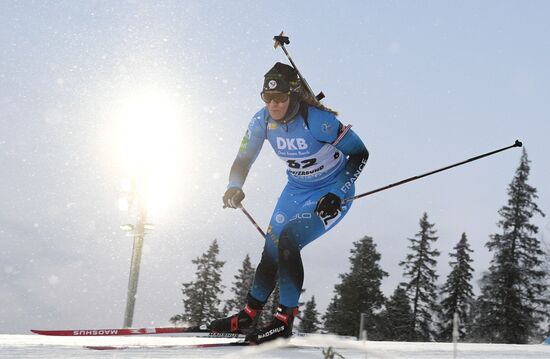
[324, 159]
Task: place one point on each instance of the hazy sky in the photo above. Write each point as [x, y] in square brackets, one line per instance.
[424, 83]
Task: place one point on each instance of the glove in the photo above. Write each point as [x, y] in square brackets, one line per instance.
[328, 205]
[233, 197]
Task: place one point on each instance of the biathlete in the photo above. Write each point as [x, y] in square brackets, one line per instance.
[324, 159]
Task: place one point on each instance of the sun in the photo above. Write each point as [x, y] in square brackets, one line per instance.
[149, 137]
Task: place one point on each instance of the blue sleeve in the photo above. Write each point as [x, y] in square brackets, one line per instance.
[323, 125]
[251, 145]
[354, 149]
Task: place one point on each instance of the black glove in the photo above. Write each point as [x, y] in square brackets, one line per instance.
[328, 205]
[233, 197]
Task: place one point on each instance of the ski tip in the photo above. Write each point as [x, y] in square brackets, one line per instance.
[40, 332]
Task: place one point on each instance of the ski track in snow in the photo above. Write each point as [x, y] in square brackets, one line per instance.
[153, 347]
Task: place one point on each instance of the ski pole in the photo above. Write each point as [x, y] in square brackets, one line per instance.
[280, 41]
[252, 220]
[516, 144]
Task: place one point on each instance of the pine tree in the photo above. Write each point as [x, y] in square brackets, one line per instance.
[329, 318]
[395, 321]
[474, 332]
[202, 296]
[546, 268]
[456, 293]
[512, 298]
[241, 286]
[310, 317]
[358, 293]
[419, 267]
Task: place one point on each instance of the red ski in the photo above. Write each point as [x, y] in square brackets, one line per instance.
[134, 331]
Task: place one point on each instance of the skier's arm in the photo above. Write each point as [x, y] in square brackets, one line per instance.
[325, 127]
[248, 152]
[351, 146]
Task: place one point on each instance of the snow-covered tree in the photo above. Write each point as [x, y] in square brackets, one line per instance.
[333, 308]
[396, 319]
[310, 317]
[512, 298]
[457, 293]
[201, 297]
[241, 286]
[546, 268]
[419, 269]
[359, 291]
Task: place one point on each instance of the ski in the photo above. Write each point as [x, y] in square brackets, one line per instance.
[204, 345]
[201, 331]
[240, 343]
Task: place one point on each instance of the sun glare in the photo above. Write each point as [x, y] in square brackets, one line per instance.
[148, 131]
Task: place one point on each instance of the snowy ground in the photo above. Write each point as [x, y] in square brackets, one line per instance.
[35, 346]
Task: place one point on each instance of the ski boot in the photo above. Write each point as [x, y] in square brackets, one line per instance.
[242, 322]
[280, 326]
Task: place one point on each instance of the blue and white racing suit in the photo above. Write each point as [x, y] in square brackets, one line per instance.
[322, 156]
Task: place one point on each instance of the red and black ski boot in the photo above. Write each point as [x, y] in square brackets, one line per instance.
[280, 326]
[243, 322]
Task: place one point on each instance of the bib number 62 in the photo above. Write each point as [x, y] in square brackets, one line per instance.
[301, 164]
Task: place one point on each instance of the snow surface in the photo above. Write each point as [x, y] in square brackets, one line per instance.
[152, 347]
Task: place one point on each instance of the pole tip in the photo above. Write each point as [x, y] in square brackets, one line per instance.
[518, 143]
[281, 40]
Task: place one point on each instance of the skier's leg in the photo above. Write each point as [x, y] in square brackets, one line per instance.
[265, 278]
[298, 230]
[291, 269]
[303, 228]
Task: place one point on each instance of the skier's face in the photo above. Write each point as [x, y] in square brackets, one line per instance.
[277, 108]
